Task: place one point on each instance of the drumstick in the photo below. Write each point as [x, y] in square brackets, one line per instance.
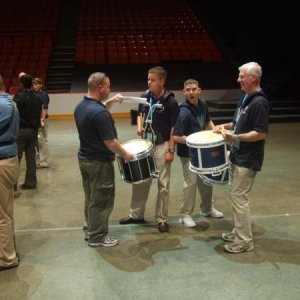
[142, 120]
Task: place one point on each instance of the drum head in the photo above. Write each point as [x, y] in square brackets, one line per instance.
[137, 146]
[206, 137]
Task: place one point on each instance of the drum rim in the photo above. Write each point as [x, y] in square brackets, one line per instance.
[203, 171]
[206, 145]
[140, 155]
[221, 139]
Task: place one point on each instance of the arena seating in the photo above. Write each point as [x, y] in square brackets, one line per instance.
[142, 31]
[27, 32]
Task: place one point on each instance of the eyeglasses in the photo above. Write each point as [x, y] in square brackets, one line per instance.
[243, 76]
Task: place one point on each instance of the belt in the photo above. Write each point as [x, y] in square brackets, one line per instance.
[7, 157]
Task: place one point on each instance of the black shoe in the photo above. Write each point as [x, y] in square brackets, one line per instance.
[163, 227]
[9, 267]
[129, 220]
[28, 187]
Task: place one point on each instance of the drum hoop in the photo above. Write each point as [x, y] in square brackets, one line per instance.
[209, 170]
[141, 154]
[204, 145]
[210, 181]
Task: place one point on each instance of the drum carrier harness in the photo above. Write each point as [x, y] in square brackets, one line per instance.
[150, 131]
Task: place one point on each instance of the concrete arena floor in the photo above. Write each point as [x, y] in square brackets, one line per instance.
[56, 262]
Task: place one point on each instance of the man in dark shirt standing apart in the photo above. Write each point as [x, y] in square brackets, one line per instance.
[9, 172]
[98, 145]
[38, 85]
[247, 133]
[29, 104]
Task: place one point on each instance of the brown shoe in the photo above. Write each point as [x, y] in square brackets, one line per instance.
[129, 220]
[163, 227]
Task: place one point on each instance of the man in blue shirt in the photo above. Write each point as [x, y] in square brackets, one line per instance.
[98, 145]
[247, 133]
[193, 117]
[9, 172]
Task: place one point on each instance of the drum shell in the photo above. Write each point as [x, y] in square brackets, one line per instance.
[141, 167]
[207, 157]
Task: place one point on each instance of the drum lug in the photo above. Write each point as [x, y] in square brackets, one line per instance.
[155, 174]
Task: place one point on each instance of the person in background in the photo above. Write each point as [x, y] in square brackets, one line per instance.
[42, 148]
[9, 172]
[98, 145]
[163, 121]
[247, 133]
[29, 104]
[193, 117]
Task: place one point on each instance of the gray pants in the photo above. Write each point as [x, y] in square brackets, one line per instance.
[190, 184]
[98, 180]
[26, 141]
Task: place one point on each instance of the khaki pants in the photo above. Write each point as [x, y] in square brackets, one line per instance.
[140, 191]
[43, 149]
[190, 184]
[241, 185]
[9, 172]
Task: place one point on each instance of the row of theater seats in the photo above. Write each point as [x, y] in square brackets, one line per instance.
[168, 31]
[27, 32]
[147, 48]
[24, 54]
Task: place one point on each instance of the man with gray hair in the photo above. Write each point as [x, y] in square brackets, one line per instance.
[247, 133]
[98, 145]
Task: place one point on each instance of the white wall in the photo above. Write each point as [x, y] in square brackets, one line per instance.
[64, 104]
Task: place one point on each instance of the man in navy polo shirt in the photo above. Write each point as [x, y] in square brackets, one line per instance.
[193, 117]
[247, 133]
[98, 145]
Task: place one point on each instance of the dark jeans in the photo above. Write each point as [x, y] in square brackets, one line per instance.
[98, 180]
[26, 141]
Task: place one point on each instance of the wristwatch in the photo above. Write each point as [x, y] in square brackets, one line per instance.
[171, 150]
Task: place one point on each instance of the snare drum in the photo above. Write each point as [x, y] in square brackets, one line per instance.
[143, 164]
[207, 152]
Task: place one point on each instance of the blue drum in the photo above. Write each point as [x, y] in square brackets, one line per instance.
[208, 152]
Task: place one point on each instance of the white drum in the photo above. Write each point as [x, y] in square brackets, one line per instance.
[142, 166]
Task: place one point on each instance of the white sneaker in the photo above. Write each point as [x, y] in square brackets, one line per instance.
[213, 213]
[105, 242]
[187, 221]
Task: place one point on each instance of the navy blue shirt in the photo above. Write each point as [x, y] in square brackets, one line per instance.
[191, 119]
[254, 116]
[29, 104]
[95, 125]
[162, 119]
[45, 99]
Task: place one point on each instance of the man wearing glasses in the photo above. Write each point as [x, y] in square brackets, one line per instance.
[247, 133]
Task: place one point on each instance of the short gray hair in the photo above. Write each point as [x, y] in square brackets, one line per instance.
[252, 68]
